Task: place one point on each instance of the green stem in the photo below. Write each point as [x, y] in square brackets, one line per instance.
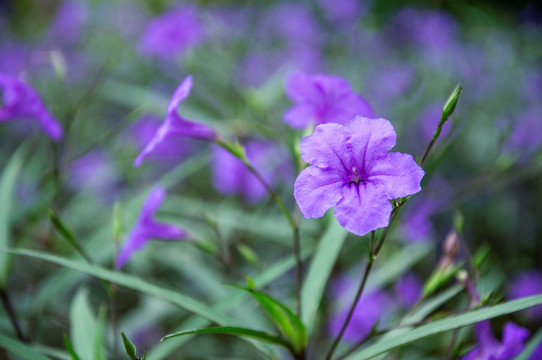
[293, 224]
[11, 313]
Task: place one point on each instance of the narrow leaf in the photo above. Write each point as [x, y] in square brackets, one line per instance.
[20, 349]
[99, 334]
[7, 189]
[440, 326]
[135, 283]
[288, 323]
[254, 334]
[82, 325]
[69, 348]
[320, 270]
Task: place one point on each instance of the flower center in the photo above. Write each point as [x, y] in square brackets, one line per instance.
[356, 177]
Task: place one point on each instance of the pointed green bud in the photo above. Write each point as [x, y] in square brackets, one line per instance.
[129, 348]
[459, 222]
[449, 107]
[248, 254]
[59, 64]
[250, 283]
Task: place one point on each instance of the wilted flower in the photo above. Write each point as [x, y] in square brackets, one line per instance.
[20, 100]
[321, 99]
[146, 228]
[351, 169]
[526, 284]
[175, 125]
[170, 34]
[490, 348]
[230, 175]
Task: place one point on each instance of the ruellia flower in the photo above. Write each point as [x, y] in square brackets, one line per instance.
[490, 348]
[352, 170]
[172, 33]
[525, 284]
[175, 125]
[321, 99]
[146, 228]
[20, 100]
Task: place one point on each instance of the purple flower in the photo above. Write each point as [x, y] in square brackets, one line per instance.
[321, 99]
[174, 125]
[408, 289]
[147, 228]
[170, 34]
[490, 348]
[526, 137]
[342, 11]
[69, 21]
[20, 100]
[351, 169]
[526, 284]
[169, 152]
[230, 176]
[537, 353]
[417, 226]
[14, 58]
[371, 308]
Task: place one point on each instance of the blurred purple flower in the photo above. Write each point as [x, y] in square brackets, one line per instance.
[537, 353]
[526, 284]
[292, 22]
[342, 11]
[170, 151]
[430, 29]
[172, 33]
[94, 172]
[371, 308]
[69, 21]
[351, 169]
[408, 290]
[13, 58]
[146, 228]
[231, 177]
[176, 126]
[526, 137]
[321, 99]
[490, 348]
[20, 100]
[391, 83]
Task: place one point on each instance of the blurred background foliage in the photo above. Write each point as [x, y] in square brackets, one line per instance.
[87, 61]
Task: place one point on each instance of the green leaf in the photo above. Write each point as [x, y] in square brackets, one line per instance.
[288, 323]
[7, 189]
[248, 254]
[320, 270]
[129, 348]
[439, 278]
[447, 324]
[165, 349]
[242, 332]
[66, 233]
[135, 283]
[99, 334]
[82, 325]
[20, 349]
[69, 348]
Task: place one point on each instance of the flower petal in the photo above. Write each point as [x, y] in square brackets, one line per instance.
[182, 92]
[152, 202]
[397, 173]
[316, 190]
[363, 208]
[370, 138]
[327, 148]
[299, 116]
[301, 87]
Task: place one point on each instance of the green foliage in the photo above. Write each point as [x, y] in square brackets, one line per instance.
[22, 350]
[129, 348]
